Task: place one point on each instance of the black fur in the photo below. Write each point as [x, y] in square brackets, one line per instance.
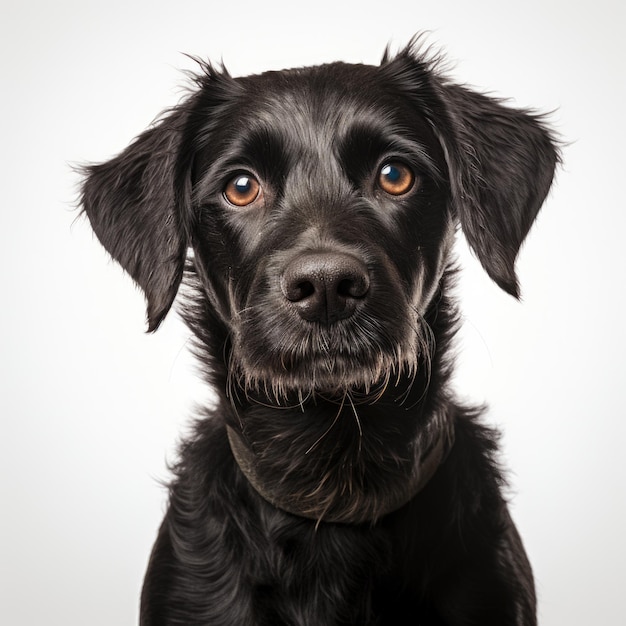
[323, 317]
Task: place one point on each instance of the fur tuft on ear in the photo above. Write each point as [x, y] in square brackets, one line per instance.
[500, 160]
[136, 203]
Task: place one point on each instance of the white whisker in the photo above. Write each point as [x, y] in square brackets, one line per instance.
[321, 437]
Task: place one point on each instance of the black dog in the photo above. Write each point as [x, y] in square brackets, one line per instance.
[310, 214]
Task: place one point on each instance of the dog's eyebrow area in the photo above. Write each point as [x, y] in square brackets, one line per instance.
[356, 141]
[363, 148]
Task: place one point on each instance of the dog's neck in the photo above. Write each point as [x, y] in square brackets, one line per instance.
[355, 491]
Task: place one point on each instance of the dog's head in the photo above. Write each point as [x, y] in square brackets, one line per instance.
[319, 206]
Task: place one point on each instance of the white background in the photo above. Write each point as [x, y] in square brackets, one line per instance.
[91, 407]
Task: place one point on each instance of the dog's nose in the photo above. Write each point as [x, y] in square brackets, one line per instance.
[325, 286]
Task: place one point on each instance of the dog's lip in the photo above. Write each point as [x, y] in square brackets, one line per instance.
[360, 378]
[358, 393]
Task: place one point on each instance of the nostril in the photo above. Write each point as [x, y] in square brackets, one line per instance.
[355, 286]
[299, 291]
[345, 287]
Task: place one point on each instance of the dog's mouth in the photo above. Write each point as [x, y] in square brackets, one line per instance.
[288, 360]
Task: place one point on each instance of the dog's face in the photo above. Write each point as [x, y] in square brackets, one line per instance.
[320, 205]
[323, 222]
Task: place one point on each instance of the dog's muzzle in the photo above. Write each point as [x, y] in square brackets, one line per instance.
[324, 318]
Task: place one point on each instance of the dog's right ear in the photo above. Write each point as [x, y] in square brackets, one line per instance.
[137, 203]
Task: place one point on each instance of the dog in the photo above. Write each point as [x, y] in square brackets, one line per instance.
[310, 216]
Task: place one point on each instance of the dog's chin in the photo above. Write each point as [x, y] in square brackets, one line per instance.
[334, 379]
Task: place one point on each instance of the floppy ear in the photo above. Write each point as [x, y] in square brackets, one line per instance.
[137, 203]
[501, 163]
[500, 160]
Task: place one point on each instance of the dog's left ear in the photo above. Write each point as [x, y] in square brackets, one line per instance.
[500, 160]
[501, 163]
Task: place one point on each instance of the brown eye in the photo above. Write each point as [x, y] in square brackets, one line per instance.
[395, 178]
[242, 190]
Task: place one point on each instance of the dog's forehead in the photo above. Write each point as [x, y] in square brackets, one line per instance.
[317, 86]
[333, 96]
[315, 109]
